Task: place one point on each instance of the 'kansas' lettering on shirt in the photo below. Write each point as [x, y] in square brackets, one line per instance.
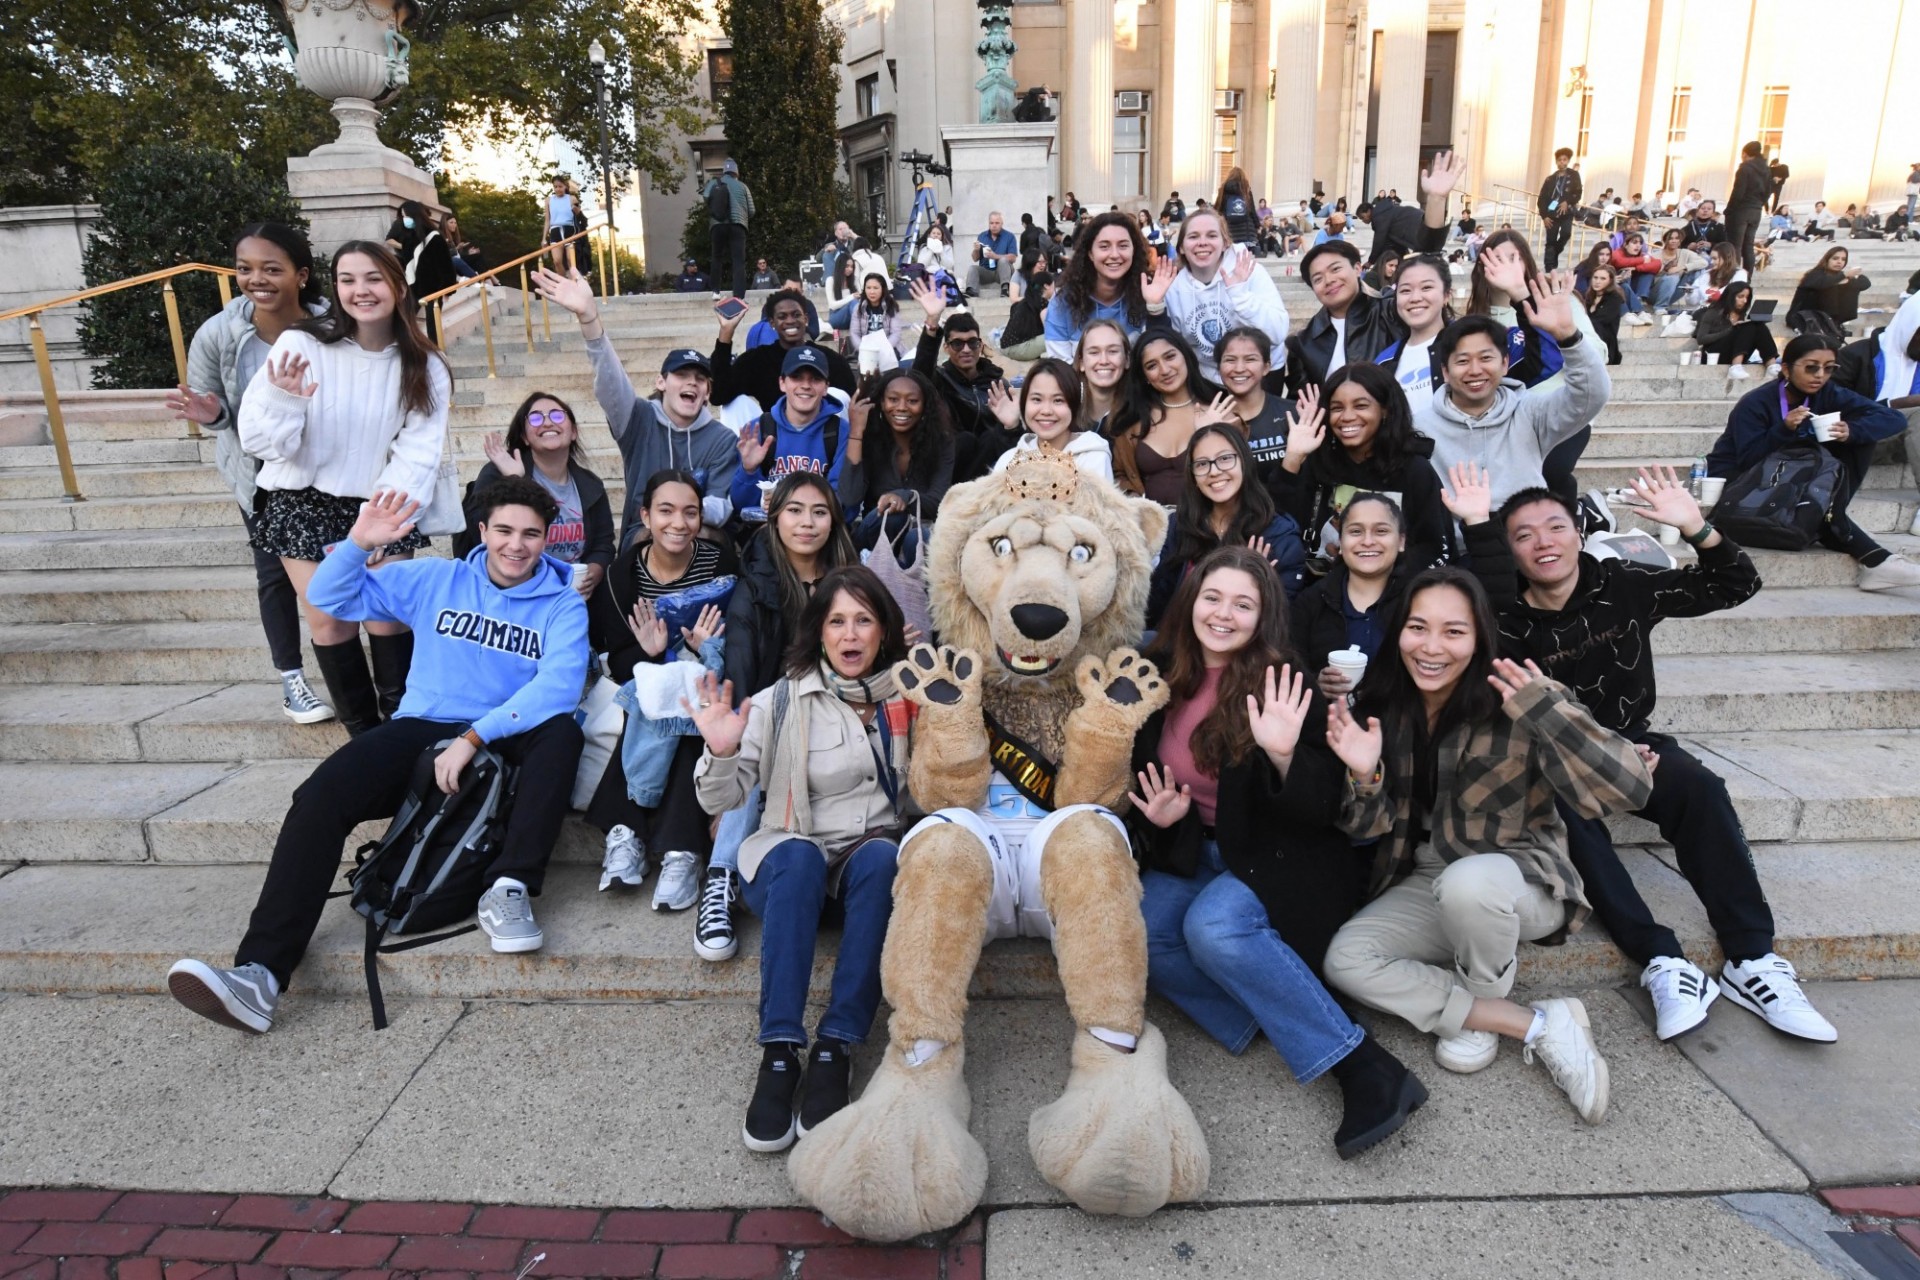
[490, 633]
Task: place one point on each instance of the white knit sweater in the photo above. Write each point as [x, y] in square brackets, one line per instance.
[350, 437]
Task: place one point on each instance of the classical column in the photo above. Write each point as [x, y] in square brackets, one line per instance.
[1089, 105]
[1189, 115]
[1402, 25]
[1296, 96]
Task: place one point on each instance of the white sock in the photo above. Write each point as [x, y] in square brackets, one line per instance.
[1539, 1025]
[924, 1051]
[508, 882]
[297, 671]
[1118, 1039]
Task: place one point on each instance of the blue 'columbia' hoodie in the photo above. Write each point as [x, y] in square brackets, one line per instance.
[504, 661]
[797, 449]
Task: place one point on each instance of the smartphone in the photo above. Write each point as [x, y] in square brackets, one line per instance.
[729, 308]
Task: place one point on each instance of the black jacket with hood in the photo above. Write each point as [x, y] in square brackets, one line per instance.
[1329, 473]
[756, 626]
[966, 401]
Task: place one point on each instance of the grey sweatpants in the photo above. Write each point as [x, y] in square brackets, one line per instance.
[1427, 947]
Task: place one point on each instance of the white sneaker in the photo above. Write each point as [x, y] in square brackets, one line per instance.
[1468, 1052]
[1737, 373]
[625, 862]
[1890, 573]
[1681, 995]
[1769, 987]
[1566, 1047]
[679, 885]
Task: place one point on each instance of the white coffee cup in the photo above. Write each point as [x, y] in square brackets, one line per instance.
[1350, 663]
[1710, 489]
[1669, 536]
[1823, 426]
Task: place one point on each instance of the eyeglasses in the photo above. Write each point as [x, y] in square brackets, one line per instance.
[965, 344]
[558, 417]
[1226, 464]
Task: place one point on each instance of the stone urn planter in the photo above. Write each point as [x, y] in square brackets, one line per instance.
[351, 53]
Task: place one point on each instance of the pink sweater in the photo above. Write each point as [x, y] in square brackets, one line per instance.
[1176, 753]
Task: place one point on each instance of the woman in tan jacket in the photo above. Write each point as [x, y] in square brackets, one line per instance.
[827, 742]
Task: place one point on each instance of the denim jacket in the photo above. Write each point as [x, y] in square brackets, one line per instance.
[647, 747]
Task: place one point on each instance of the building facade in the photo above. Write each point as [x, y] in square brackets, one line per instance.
[1348, 97]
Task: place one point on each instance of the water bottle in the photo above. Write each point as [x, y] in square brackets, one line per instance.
[1696, 475]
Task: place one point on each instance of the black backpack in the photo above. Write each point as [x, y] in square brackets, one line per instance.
[719, 201]
[430, 868]
[1782, 501]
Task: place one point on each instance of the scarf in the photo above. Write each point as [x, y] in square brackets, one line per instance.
[788, 807]
[1897, 368]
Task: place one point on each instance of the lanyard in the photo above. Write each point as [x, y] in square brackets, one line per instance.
[883, 755]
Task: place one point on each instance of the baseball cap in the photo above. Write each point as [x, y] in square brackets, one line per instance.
[730, 166]
[805, 356]
[686, 358]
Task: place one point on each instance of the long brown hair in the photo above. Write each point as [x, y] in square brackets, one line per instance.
[804, 648]
[416, 348]
[1480, 290]
[1080, 276]
[1224, 737]
[835, 552]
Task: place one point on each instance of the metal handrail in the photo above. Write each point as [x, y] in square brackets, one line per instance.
[56, 419]
[605, 255]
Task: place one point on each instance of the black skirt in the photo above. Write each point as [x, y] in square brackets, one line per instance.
[300, 524]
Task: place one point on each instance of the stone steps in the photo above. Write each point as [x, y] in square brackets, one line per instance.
[96, 929]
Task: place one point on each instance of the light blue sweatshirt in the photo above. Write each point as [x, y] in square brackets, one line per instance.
[504, 661]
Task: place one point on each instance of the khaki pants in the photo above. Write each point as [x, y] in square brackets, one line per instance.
[1468, 915]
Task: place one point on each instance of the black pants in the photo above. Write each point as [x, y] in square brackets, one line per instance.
[1559, 231]
[677, 822]
[367, 779]
[1840, 533]
[1557, 467]
[1749, 338]
[1695, 815]
[279, 606]
[730, 250]
[1741, 226]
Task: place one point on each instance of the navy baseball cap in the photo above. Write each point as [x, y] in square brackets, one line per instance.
[686, 358]
[805, 356]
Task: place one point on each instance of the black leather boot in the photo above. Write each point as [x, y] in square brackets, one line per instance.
[392, 657]
[349, 685]
[1379, 1092]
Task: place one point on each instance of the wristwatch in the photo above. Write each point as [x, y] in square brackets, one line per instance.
[472, 739]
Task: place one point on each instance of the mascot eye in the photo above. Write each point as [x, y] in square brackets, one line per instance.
[1002, 546]
[1081, 553]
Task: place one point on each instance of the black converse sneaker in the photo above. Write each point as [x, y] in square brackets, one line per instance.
[713, 932]
[829, 1077]
[770, 1116]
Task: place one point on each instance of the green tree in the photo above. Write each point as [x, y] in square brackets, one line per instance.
[159, 207]
[80, 84]
[505, 224]
[780, 120]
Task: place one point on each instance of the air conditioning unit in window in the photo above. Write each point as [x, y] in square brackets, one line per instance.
[1226, 100]
[1130, 100]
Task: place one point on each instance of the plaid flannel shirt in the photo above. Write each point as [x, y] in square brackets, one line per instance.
[1498, 782]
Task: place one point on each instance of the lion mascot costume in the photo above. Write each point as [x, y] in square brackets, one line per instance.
[1038, 577]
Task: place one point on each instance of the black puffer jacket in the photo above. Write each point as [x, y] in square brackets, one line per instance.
[756, 626]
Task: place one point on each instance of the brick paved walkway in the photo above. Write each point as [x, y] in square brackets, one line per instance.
[136, 1235]
[1883, 1209]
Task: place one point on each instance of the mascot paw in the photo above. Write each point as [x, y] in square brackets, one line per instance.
[1121, 1139]
[943, 677]
[1124, 686]
[899, 1162]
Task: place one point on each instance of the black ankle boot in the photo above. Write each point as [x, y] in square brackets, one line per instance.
[349, 685]
[1379, 1092]
[392, 657]
[829, 1081]
[770, 1116]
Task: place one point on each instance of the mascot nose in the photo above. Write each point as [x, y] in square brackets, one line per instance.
[1038, 621]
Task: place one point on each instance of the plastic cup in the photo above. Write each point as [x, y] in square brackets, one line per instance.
[1350, 663]
[1823, 426]
[1669, 536]
[1710, 490]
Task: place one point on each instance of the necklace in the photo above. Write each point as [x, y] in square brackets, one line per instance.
[1177, 404]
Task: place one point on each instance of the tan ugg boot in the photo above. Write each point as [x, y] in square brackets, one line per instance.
[900, 1161]
[1120, 1139]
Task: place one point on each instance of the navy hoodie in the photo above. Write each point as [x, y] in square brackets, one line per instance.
[504, 661]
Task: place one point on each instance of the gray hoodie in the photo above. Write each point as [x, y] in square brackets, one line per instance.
[650, 442]
[213, 365]
[1514, 436]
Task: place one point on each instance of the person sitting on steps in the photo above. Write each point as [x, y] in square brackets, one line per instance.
[500, 660]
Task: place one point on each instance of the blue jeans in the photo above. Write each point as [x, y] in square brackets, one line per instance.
[735, 826]
[789, 894]
[1211, 951]
[1639, 290]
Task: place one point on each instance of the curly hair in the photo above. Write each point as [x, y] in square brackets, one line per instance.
[1080, 276]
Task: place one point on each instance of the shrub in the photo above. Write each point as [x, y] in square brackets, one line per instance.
[163, 206]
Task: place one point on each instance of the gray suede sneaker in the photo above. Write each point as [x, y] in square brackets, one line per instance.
[240, 998]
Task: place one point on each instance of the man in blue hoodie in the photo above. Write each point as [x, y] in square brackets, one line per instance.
[800, 433]
[500, 654]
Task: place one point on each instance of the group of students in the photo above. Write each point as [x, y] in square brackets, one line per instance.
[1376, 493]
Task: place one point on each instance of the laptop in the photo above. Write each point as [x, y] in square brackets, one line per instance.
[1763, 309]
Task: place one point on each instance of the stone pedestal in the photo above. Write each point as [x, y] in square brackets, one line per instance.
[351, 189]
[1004, 167]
